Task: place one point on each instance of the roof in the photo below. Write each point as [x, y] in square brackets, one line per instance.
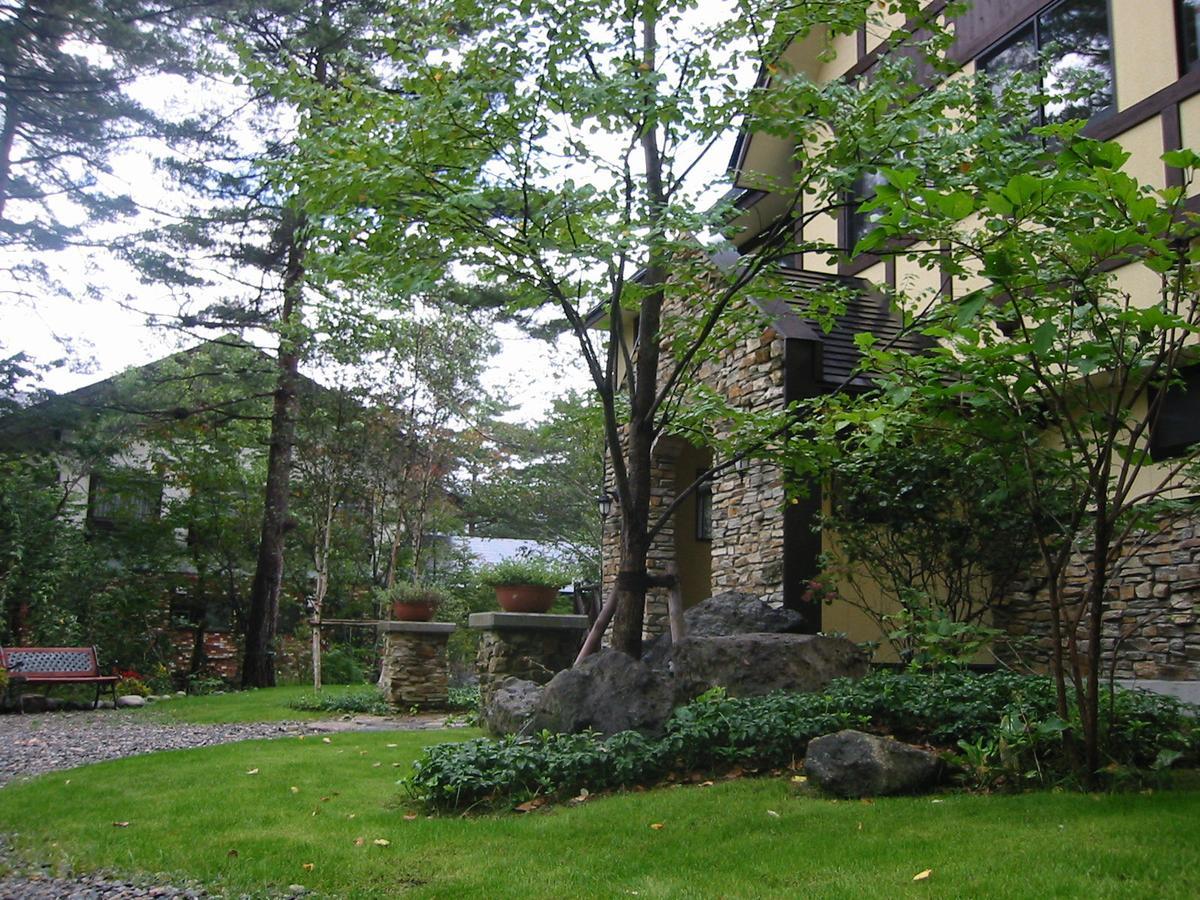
[867, 310]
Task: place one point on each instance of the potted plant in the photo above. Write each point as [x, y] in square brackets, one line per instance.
[526, 584]
[413, 602]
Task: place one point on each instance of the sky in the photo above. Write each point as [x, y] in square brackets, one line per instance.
[108, 331]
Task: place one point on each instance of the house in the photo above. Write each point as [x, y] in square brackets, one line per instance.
[743, 534]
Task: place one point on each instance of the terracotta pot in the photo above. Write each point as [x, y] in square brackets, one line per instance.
[411, 612]
[525, 598]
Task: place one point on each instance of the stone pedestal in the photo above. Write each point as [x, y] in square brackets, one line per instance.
[532, 646]
[416, 669]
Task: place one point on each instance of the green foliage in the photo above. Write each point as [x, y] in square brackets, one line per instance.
[370, 701]
[931, 640]
[341, 665]
[1006, 726]
[407, 592]
[464, 698]
[541, 571]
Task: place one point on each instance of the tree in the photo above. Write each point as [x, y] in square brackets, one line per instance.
[548, 149]
[1065, 355]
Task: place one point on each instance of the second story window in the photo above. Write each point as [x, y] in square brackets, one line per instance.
[860, 224]
[1189, 33]
[1064, 47]
[115, 501]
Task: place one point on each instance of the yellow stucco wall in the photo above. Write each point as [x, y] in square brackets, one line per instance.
[693, 556]
[1143, 48]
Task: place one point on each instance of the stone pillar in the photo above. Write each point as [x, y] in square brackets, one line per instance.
[531, 646]
[416, 669]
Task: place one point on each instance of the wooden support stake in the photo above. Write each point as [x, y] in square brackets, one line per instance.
[592, 642]
[316, 652]
[675, 604]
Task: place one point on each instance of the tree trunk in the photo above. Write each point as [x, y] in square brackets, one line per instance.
[258, 663]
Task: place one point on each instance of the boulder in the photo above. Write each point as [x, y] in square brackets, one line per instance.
[509, 706]
[608, 692]
[131, 700]
[853, 764]
[729, 613]
[33, 703]
[748, 665]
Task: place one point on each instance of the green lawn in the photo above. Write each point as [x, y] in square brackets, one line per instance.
[261, 705]
[325, 803]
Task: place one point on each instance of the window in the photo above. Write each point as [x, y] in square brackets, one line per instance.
[1189, 32]
[1066, 47]
[1178, 424]
[704, 511]
[115, 500]
[860, 224]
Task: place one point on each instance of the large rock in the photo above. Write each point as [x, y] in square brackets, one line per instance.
[509, 707]
[608, 692]
[748, 665]
[131, 701]
[852, 764]
[729, 613]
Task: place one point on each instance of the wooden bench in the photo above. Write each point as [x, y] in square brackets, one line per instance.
[50, 666]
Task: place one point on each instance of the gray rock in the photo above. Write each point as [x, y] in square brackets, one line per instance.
[608, 692]
[852, 764]
[105, 704]
[748, 665]
[729, 613]
[131, 700]
[53, 704]
[32, 703]
[510, 705]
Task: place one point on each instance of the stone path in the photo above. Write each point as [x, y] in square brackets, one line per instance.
[46, 742]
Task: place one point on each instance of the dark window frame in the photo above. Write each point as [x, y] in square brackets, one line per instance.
[1035, 22]
[1177, 427]
[147, 492]
[1187, 35]
[704, 510]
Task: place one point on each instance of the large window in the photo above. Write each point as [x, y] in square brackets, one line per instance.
[1177, 428]
[117, 500]
[1064, 49]
[1189, 33]
[860, 224]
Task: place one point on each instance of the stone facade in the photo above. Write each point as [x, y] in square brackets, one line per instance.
[529, 646]
[1153, 618]
[415, 667]
[747, 508]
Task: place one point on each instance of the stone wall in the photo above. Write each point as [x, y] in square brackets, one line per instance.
[529, 646]
[747, 541]
[415, 668]
[1153, 618]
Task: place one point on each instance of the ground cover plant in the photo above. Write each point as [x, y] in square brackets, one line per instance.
[308, 812]
[1000, 729]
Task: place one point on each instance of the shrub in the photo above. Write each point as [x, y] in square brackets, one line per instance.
[406, 592]
[464, 698]
[340, 666]
[367, 700]
[541, 571]
[1002, 729]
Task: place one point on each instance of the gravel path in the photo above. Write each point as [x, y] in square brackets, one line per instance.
[47, 742]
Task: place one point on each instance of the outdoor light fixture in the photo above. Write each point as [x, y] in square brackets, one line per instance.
[742, 466]
[605, 501]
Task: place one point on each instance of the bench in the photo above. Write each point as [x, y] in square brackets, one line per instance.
[50, 666]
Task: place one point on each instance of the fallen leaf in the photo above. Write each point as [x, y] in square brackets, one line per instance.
[252, 771]
[392, 746]
[658, 826]
[397, 765]
[351, 816]
[326, 741]
[232, 854]
[581, 796]
[706, 784]
[68, 781]
[358, 842]
[867, 801]
[382, 842]
[294, 789]
[324, 799]
[307, 867]
[409, 817]
[772, 813]
[860, 826]
[530, 805]
[120, 824]
[935, 801]
[315, 811]
[799, 779]
[921, 876]
[376, 765]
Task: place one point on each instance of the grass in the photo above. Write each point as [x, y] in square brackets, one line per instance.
[255, 705]
[188, 810]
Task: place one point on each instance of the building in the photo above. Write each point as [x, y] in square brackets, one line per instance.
[742, 534]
